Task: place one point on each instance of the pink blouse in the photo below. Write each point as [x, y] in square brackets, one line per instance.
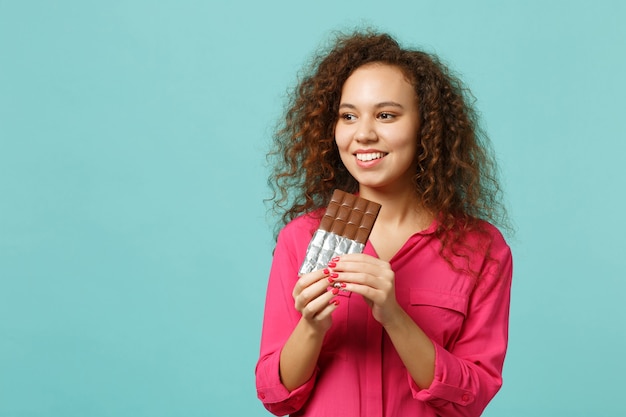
[359, 373]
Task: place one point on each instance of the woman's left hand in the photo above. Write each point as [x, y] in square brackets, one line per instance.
[373, 279]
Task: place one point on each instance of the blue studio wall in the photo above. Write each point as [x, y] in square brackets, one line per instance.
[134, 241]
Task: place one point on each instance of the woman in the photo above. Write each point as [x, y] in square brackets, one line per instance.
[420, 326]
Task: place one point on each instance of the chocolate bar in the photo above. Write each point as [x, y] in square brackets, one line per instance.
[345, 227]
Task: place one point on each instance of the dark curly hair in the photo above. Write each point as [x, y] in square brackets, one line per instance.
[456, 176]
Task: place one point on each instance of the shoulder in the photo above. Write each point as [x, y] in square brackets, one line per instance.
[497, 260]
[484, 235]
[303, 224]
[300, 229]
[496, 237]
[498, 248]
[477, 246]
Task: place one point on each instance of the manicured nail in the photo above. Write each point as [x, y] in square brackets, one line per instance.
[335, 302]
[326, 271]
[330, 280]
[335, 291]
[335, 259]
[332, 264]
[343, 285]
[334, 275]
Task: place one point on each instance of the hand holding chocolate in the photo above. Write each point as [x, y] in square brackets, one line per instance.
[345, 228]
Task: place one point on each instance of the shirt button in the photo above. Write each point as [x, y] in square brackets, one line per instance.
[262, 395]
[465, 398]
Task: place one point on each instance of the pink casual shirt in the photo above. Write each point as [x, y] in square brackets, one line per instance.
[359, 373]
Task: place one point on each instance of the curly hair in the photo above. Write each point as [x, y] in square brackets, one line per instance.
[456, 176]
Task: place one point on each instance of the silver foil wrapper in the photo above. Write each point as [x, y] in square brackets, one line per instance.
[324, 246]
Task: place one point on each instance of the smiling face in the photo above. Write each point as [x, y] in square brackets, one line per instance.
[377, 128]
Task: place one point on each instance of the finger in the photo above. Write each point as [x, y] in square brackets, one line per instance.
[359, 257]
[361, 278]
[367, 291]
[358, 262]
[310, 293]
[369, 286]
[307, 279]
[327, 310]
[314, 308]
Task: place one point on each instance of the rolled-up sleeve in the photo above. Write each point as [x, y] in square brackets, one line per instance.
[275, 397]
[469, 374]
[279, 321]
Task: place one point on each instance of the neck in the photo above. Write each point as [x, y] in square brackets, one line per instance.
[399, 209]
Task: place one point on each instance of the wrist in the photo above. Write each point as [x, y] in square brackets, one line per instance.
[395, 319]
[312, 330]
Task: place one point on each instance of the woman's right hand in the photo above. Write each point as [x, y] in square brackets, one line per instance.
[314, 300]
[301, 351]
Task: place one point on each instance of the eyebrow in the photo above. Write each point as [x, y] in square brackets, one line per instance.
[378, 105]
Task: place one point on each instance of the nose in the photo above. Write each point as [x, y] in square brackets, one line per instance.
[366, 131]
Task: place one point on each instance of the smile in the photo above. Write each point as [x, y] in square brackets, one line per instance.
[365, 157]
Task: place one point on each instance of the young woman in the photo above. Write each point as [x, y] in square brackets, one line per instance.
[420, 326]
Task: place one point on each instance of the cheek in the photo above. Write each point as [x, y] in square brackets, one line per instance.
[404, 138]
[343, 146]
[341, 139]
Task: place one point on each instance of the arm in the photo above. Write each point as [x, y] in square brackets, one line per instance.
[458, 382]
[301, 351]
[414, 347]
[291, 340]
[469, 374]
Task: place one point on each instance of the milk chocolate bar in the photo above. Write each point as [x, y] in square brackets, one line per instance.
[345, 227]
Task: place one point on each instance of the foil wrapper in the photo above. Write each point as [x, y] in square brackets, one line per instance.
[324, 246]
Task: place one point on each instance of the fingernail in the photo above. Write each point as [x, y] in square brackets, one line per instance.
[335, 259]
[332, 264]
[326, 271]
[335, 291]
[330, 280]
[343, 285]
[334, 275]
[335, 302]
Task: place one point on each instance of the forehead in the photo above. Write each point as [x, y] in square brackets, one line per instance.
[378, 80]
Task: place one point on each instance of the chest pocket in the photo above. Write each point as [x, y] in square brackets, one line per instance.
[439, 314]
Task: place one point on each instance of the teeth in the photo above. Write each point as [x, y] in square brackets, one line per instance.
[369, 156]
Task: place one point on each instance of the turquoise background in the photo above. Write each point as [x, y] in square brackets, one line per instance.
[134, 242]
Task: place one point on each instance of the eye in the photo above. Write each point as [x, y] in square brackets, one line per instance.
[386, 116]
[347, 116]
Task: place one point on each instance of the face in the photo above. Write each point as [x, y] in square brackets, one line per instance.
[377, 128]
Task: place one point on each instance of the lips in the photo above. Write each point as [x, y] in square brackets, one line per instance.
[369, 156]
